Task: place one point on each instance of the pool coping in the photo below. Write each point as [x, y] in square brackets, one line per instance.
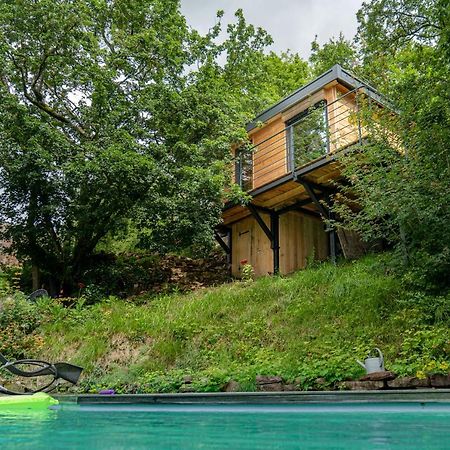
[296, 397]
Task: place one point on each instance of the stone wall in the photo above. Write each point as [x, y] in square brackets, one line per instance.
[191, 274]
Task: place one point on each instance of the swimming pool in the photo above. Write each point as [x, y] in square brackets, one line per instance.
[308, 426]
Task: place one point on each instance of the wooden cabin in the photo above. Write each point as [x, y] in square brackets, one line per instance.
[288, 167]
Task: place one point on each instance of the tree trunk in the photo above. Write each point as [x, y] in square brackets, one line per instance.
[35, 276]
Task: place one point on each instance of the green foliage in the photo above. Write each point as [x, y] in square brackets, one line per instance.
[247, 273]
[335, 51]
[401, 176]
[122, 275]
[4, 284]
[307, 328]
[6, 280]
[75, 155]
[281, 75]
[18, 321]
[424, 351]
[102, 123]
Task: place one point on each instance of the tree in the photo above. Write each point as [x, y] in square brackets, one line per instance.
[114, 110]
[402, 176]
[335, 51]
[284, 74]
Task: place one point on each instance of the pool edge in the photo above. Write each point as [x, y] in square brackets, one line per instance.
[297, 397]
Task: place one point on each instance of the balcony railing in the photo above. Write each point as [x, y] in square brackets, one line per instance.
[317, 131]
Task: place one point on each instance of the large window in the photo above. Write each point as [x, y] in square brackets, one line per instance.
[308, 135]
[244, 168]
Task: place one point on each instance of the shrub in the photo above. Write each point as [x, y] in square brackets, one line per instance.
[424, 350]
[10, 279]
[121, 275]
[18, 320]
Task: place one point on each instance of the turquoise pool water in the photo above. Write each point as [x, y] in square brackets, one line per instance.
[335, 426]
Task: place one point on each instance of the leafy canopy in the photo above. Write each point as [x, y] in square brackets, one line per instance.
[402, 176]
[116, 111]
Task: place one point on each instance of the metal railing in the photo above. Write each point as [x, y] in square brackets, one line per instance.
[319, 130]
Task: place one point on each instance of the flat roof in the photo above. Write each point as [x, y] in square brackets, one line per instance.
[337, 73]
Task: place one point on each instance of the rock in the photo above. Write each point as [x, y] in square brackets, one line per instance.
[290, 387]
[231, 386]
[264, 379]
[440, 381]
[379, 376]
[269, 383]
[320, 381]
[270, 387]
[409, 383]
[187, 379]
[362, 385]
[185, 388]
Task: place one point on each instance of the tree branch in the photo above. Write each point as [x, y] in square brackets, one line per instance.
[38, 99]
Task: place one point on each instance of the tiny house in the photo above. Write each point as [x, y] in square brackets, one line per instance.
[289, 168]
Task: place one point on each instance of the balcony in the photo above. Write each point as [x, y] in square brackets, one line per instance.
[318, 131]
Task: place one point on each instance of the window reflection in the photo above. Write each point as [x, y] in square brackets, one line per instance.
[308, 135]
[244, 168]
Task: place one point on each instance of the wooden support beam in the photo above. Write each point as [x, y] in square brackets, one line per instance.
[222, 243]
[260, 221]
[273, 234]
[332, 235]
[294, 206]
[275, 228]
[308, 212]
[314, 197]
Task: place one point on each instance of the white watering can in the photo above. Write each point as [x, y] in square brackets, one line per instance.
[373, 364]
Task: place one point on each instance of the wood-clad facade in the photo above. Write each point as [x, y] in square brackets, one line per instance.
[289, 171]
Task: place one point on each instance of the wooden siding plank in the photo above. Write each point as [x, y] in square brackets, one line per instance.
[301, 236]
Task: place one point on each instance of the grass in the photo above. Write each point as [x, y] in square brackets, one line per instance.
[309, 327]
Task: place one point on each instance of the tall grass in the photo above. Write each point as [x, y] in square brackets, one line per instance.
[310, 325]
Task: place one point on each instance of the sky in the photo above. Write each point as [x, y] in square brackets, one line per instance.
[293, 24]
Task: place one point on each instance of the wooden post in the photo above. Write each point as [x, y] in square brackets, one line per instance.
[275, 228]
[331, 232]
[230, 246]
[332, 238]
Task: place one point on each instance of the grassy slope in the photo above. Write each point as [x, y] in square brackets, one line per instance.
[308, 325]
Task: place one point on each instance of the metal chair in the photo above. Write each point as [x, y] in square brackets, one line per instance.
[65, 371]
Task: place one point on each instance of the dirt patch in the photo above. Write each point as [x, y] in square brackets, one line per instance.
[123, 351]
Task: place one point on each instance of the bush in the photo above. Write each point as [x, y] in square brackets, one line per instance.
[10, 279]
[121, 275]
[424, 351]
[434, 309]
[18, 320]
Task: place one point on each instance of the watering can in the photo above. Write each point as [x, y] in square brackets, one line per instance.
[373, 364]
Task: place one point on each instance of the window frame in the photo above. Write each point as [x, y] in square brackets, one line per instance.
[239, 166]
[290, 124]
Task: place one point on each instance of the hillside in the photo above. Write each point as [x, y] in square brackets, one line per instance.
[307, 328]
